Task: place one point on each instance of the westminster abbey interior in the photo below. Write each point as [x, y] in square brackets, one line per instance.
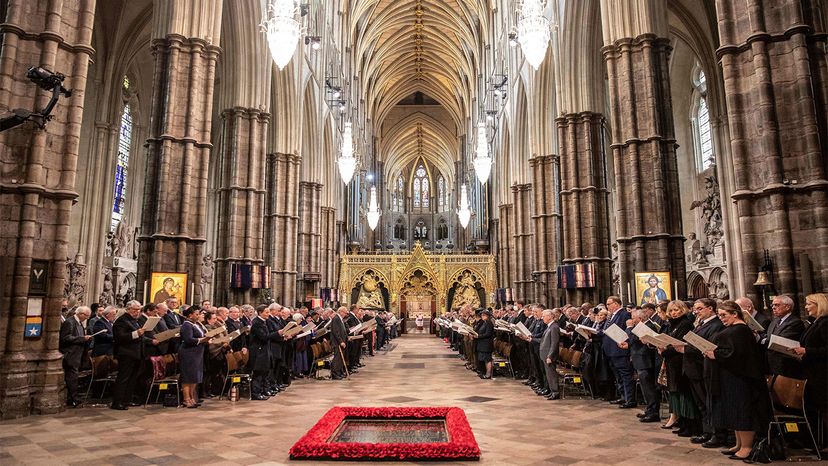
[412, 157]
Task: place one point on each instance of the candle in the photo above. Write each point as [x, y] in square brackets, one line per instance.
[675, 289]
[146, 292]
[192, 293]
[629, 294]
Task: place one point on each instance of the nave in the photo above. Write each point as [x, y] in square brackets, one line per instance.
[510, 423]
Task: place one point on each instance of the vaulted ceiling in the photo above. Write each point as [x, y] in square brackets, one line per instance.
[402, 47]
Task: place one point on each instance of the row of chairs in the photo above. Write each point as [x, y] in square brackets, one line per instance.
[502, 357]
[569, 369]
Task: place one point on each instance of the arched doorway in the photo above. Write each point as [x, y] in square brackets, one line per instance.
[418, 297]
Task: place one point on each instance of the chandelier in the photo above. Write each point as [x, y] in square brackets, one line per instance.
[533, 32]
[346, 161]
[373, 210]
[464, 213]
[482, 161]
[283, 30]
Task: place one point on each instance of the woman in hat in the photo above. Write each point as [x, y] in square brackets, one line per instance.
[484, 341]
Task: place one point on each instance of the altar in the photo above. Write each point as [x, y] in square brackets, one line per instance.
[419, 282]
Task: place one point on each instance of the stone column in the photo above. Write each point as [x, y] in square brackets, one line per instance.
[37, 191]
[547, 219]
[282, 229]
[241, 198]
[584, 201]
[648, 212]
[328, 249]
[776, 84]
[173, 226]
[310, 238]
[505, 244]
[523, 237]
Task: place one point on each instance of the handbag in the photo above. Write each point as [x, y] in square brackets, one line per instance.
[662, 375]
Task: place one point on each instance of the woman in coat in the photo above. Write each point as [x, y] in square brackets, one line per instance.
[484, 342]
[738, 394]
[191, 355]
[683, 410]
[814, 354]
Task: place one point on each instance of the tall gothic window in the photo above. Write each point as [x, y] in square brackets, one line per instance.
[701, 122]
[441, 192]
[400, 204]
[122, 164]
[421, 188]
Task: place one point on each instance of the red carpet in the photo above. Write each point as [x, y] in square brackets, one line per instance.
[350, 434]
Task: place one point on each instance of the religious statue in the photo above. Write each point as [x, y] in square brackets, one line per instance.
[616, 270]
[370, 295]
[107, 297]
[695, 252]
[206, 273]
[75, 283]
[711, 215]
[120, 240]
[465, 292]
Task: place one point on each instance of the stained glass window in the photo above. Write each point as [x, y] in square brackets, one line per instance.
[400, 194]
[704, 134]
[421, 189]
[441, 192]
[122, 166]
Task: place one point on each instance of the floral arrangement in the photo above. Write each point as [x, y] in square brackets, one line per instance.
[316, 443]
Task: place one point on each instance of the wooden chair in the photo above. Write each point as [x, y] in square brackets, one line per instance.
[236, 362]
[788, 401]
[164, 375]
[101, 371]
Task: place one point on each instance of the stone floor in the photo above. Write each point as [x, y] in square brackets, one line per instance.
[511, 424]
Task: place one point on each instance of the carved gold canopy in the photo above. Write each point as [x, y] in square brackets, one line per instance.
[418, 273]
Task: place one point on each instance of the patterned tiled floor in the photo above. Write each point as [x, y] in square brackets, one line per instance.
[511, 424]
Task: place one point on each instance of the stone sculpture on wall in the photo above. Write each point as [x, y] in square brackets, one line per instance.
[107, 297]
[616, 270]
[695, 251]
[711, 213]
[207, 270]
[120, 242]
[466, 292]
[75, 283]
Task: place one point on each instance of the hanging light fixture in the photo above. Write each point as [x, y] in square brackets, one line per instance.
[283, 30]
[482, 159]
[464, 213]
[347, 162]
[533, 31]
[373, 210]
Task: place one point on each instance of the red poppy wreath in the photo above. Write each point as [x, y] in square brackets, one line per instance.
[322, 442]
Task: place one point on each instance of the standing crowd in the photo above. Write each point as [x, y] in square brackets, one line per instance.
[207, 350]
[720, 398]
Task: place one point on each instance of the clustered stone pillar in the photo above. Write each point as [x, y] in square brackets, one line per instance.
[310, 237]
[505, 246]
[173, 223]
[523, 237]
[282, 229]
[328, 248]
[648, 210]
[241, 198]
[584, 201]
[776, 84]
[37, 191]
[547, 218]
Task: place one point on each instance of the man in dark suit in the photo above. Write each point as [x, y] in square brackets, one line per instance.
[104, 341]
[369, 337]
[643, 361]
[548, 351]
[173, 320]
[232, 324]
[747, 306]
[354, 346]
[339, 343]
[258, 365]
[788, 325]
[275, 342]
[538, 328]
[129, 353]
[698, 370]
[73, 344]
[619, 358]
